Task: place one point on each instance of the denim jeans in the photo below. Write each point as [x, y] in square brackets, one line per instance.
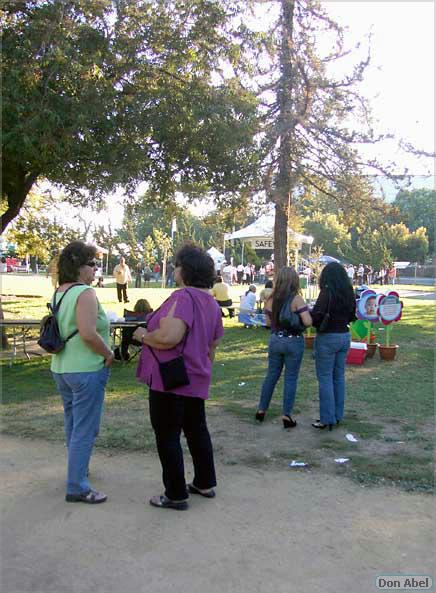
[82, 396]
[170, 414]
[330, 354]
[287, 351]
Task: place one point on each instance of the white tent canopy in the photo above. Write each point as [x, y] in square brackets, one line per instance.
[261, 233]
[214, 253]
[217, 257]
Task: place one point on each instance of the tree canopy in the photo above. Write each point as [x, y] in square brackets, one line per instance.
[106, 93]
[417, 208]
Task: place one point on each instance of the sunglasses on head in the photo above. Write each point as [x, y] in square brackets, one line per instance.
[92, 264]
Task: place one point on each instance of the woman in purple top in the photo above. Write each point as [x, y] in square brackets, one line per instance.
[189, 321]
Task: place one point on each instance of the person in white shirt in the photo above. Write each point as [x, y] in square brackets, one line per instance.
[234, 275]
[247, 307]
[240, 272]
[262, 272]
[247, 274]
[227, 273]
[248, 301]
[350, 273]
[122, 278]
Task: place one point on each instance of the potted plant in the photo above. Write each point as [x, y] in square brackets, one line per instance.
[309, 337]
[387, 350]
[390, 309]
[371, 344]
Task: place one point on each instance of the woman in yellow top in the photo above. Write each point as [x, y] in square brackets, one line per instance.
[221, 292]
[81, 369]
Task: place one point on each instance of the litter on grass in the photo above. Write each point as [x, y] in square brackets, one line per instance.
[241, 384]
[298, 464]
[342, 460]
[351, 438]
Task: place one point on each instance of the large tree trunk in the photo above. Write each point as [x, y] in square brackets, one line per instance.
[4, 338]
[16, 188]
[285, 178]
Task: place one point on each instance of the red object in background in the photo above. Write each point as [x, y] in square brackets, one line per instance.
[355, 356]
[11, 263]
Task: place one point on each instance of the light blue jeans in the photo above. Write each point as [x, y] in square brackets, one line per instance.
[288, 352]
[82, 396]
[330, 354]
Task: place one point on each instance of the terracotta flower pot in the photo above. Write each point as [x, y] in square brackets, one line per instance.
[370, 351]
[308, 341]
[387, 352]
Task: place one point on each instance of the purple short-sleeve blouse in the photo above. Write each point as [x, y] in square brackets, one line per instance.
[202, 316]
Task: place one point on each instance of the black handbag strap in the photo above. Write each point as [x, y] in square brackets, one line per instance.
[54, 307]
[185, 337]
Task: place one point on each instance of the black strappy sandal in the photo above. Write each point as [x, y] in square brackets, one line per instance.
[288, 422]
[321, 426]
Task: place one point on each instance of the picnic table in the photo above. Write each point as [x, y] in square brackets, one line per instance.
[21, 327]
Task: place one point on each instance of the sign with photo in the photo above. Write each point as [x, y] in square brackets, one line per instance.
[366, 307]
[389, 307]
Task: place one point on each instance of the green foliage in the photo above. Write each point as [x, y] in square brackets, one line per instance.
[372, 249]
[103, 93]
[417, 208]
[35, 234]
[405, 245]
[329, 234]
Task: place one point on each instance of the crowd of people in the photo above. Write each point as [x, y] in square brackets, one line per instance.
[364, 274]
[178, 343]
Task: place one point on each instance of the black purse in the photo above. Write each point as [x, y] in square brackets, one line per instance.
[173, 372]
[326, 319]
[290, 320]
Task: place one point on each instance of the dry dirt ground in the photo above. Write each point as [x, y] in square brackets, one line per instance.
[269, 530]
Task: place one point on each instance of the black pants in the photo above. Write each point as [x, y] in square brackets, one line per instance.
[169, 415]
[229, 305]
[122, 292]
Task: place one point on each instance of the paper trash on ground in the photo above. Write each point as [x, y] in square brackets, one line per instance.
[342, 460]
[241, 384]
[297, 464]
[351, 438]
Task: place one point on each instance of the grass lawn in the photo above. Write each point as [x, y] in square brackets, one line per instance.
[389, 406]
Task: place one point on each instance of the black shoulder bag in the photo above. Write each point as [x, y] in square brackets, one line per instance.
[173, 372]
[326, 319]
[290, 320]
[50, 338]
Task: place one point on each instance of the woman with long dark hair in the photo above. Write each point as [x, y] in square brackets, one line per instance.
[286, 347]
[334, 309]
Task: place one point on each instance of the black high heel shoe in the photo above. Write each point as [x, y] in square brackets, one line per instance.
[260, 416]
[321, 426]
[288, 422]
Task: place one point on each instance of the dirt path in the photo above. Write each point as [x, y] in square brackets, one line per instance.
[268, 531]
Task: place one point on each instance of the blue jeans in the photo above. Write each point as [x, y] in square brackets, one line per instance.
[287, 351]
[330, 354]
[82, 396]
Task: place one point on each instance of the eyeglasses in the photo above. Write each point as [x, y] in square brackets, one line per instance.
[92, 264]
